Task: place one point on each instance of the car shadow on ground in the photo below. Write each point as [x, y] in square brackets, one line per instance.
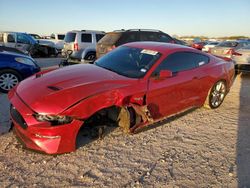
[89, 134]
[243, 139]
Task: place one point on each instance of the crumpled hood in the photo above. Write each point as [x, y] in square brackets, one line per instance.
[46, 42]
[53, 92]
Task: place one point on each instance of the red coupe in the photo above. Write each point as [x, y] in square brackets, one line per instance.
[132, 86]
[198, 45]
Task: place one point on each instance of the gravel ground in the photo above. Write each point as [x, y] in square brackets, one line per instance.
[202, 148]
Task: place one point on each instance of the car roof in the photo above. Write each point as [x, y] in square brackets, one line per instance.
[161, 47]
[135, 30]
[12, 32]
[87, 31]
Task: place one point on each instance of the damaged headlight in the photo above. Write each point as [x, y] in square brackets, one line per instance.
[54, 119]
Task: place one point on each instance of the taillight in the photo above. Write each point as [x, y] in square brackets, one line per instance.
[232, 52]
[76, 48]
[111, 48]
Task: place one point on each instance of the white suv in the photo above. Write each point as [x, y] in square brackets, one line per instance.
[82, 43]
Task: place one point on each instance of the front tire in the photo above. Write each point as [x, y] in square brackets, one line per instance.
[8, 79]
[216, 95]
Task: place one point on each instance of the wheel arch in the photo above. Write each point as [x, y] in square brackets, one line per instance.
[206, 100]
[87, 51]
[12, 69]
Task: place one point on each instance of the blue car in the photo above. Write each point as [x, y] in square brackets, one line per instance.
[14, 67]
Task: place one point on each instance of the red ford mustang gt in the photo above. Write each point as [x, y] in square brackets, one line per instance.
[134, 85]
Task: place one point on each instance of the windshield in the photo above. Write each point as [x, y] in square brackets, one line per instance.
[129, 62]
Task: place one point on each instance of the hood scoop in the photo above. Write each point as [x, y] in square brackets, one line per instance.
[54, 88]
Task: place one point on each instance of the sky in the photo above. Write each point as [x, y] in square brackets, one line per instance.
[212, 18]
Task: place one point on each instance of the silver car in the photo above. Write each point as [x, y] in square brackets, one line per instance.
[227, 48]
[242, 58]
[78, 41]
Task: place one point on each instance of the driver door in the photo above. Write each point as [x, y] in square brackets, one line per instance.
[168, 96]
[23, 43]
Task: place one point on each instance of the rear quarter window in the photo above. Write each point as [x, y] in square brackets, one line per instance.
[86, 38]
[70, 37]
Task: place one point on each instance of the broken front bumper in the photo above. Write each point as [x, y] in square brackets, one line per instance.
[42, 136]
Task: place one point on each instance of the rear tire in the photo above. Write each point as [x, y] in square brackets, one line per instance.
[216, 95]
[8, 79]
[91, 57]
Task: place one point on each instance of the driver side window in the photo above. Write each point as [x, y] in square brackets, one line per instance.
[22, 39]
[181, 61]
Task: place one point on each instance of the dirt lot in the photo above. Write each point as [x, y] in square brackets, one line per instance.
[202, 148]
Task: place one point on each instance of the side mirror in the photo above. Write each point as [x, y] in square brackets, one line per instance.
[165, 74]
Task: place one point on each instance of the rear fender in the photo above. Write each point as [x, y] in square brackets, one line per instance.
[229, 69]
[88, 50]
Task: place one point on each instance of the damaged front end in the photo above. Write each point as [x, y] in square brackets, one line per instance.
[134, 117]
[128, 118]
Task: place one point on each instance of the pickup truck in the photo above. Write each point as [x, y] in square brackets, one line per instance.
[58, 39]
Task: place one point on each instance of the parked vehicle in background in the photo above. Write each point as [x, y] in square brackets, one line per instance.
[14, 67]
[198, 45]
[58, 40]
[116, 38]
[209, 46]
[228, 48]
[133, 86]
[21, 41]
[82, 42]
[55, 40]
[181, 42]
[46, 48]
[242, 59]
